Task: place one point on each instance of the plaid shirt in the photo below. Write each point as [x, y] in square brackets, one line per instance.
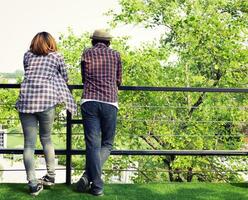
[101, 73]
[44, 84]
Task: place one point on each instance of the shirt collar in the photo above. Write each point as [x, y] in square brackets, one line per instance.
[101, 45]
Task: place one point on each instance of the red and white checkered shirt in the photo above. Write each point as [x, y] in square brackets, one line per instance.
[101, 73]
[44, 84]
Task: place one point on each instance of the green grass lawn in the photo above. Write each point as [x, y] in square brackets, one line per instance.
[16, 141]
[167, 191]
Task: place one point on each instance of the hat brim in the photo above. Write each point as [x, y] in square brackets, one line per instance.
[100, 38]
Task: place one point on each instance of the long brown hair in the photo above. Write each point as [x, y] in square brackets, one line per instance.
[43, 43]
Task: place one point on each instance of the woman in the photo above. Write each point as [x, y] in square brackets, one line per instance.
[44, 86]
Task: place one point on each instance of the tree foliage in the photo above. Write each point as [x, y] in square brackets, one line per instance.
[209, 39]
[210, 54]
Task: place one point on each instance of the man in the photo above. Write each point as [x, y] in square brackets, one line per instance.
[101, 74]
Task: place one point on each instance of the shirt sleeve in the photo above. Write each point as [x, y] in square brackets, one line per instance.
[25, 60]
[83, 70]
[83, 66]
[119, 71]
[62, 69]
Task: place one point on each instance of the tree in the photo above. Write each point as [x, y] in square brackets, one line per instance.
[150, 120]
[209, 39]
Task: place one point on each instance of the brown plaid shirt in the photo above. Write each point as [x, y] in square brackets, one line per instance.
[101, 73]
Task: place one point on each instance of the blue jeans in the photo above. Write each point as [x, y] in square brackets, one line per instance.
[99, 120]
[30, 123]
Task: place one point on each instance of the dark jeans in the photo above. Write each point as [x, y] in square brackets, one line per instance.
[99, 120]
[30, 123]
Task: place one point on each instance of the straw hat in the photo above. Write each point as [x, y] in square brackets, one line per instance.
[101, 34]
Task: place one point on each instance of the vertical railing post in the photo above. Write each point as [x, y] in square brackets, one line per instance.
[68, 147]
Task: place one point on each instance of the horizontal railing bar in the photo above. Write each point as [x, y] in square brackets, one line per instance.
[16, 170]
[179, 152]
[172, 89]
[181, 107]
[174, 135]
[6, 86]
[122, 106]
[182, 89]
[146, 135]
[20, 133]
[37, 151]
[150, 88]
[80, 121]
[166, 170]
[164, 119]
[180, 121]
[17, 119]
[77, 121]
[141, 152]
[133, 170]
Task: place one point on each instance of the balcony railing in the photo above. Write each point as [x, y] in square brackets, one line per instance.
[69, 152]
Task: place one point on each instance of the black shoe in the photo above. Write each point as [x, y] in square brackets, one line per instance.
[47, 180]
[35, 190]
[98, 193]
[83, 184]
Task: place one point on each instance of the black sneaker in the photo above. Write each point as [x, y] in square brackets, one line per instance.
[35, 190]
[98, 193]
[47, 180]
[83, 184]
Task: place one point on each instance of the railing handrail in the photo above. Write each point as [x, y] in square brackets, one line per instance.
[154, 88]
[142, 152]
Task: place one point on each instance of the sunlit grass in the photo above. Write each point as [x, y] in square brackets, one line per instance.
[167, 191]
[16, 141]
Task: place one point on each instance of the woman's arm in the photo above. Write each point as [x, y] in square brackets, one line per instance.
[25, 60]
[62, 69]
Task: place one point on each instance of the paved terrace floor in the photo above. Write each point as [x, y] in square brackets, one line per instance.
[167, 191]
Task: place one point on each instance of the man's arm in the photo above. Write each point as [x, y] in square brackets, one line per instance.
[119, 71]
[83, 70]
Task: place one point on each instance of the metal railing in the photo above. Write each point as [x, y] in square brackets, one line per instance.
[69, 152]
